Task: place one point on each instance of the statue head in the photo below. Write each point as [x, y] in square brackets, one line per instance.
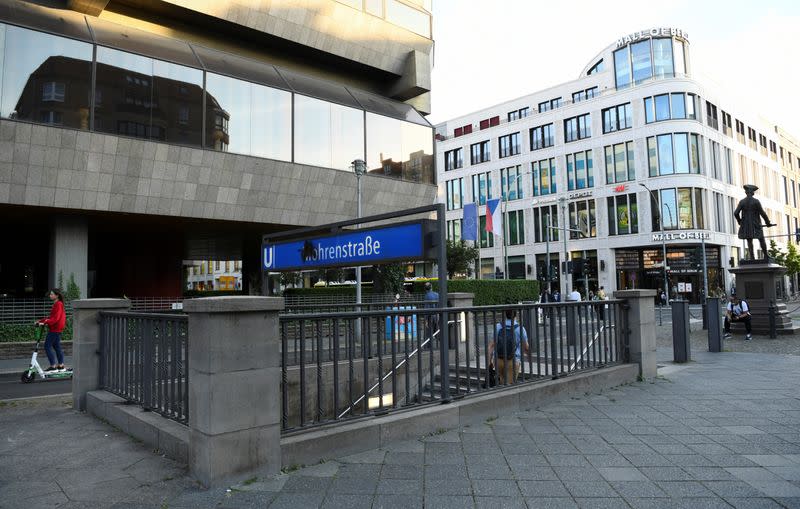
[750, 189]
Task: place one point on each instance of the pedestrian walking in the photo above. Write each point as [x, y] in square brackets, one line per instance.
[55, 326]
[510, 340]
[601, 308]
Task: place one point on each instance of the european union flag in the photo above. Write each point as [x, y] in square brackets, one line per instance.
[470, 228]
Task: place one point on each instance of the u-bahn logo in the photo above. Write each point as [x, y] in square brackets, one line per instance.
[269, 257]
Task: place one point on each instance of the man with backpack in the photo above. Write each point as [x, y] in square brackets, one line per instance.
[510, 339]
[737, 310]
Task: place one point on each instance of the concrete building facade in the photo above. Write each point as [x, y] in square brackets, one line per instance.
[135, 135]
[635, 143]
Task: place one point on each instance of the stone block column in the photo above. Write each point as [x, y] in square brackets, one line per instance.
[86, 343]
[462, 329]
[642, 329]
[234, 385]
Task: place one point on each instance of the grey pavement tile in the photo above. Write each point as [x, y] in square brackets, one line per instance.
[651, 503]
[489, 471]
[527, 460]
[500, 502]
[690, 460]
[246, 499]
[589, 489]
[558, 448]
[445, 472]
[473, 459]
[399, 487]
[638, 489]
[753, 503]
[358, 470]
[543, 489]
[401, 472]
[673, 449]
[444, 459]
[299, 483]
[535, 473]
[789, 502]
[551, 503]
[771, 460]
[711, 449]
[648, 460]
[353, 485]
[446, 447]
[567, 460]
[404, 458]
[753, 474]
[578, 473]
[338, 501]
[407, 446]
[495, 488]
[776, 489]
[736, 489]
[665, 473]
[702, 503]
[602, 503]
[395, 501]
[729, 460]
[787, 473]
[373, 456]
[608, 460]
[196, 497]
[449, 502]
[448, 486]
[709, 473]
[743, 430]
[621, 474]
[684, 489]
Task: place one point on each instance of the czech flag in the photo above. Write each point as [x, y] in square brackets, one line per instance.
[494, 218]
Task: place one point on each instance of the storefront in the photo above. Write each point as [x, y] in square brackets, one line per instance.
[644, 268]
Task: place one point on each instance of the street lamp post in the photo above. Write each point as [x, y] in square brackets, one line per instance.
[359, 168]
[663, 249]
[563, 202]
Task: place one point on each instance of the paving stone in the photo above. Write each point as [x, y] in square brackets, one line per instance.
[449, 502]
[551, 503]
[306, 484]
[754, 503]
[621, 474]
[684, 489]
[602, 503]
[600, 489]
[494, 488]
[665, 473]
[449, 486]
[638, 489]
[737, 489]
[290, 500]
[337, 501]
[445, 472]
[776, 489]
[489, 471]
[353, 485]
[543, 489]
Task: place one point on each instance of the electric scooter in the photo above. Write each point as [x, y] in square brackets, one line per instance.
[30, 374]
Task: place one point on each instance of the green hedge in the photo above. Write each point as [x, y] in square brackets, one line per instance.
[10, 333]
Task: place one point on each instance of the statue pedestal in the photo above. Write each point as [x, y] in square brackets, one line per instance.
[757, 282]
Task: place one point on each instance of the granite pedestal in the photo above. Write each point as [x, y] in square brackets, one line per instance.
[757, 283]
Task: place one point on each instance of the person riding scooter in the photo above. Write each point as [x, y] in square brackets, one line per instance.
[55, 324]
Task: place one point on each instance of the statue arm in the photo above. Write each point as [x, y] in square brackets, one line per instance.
[764, 215]
[737, 214]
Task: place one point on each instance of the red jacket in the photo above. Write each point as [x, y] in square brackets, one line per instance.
[57, 319]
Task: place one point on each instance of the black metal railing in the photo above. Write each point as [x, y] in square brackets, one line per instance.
[144, 359]
[342, 365]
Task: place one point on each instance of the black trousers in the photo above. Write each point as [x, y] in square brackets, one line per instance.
[745, 319]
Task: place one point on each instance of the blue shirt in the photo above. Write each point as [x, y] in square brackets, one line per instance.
[520, 336]
[433, 298]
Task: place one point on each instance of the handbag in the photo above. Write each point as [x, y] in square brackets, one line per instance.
[491, 375]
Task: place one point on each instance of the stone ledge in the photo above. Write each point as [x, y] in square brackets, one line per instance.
[233, 304]
[101, 304]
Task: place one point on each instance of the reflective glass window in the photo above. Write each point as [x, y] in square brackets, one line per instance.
[125, 82]
[652, 156]
[631, 165]
[694, 153]
[622, 67]
[399, 149]
[690, 107]
[649, 115]
[680, 62]
[374, 7]
[327, 134]
[700, 221]
[228, 118]
[678, 105]
[640, 61]
[621, 165]
[662, 107]
[665, 163]
[669, 209]
[271, 125]
[662, 58]
[177, 103]
[408, 18]
[685, 215]
[31, 60]
[681, 145]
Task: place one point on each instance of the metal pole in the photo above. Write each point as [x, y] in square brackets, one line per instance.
[547, 242]
[478, 236]
[565, 229]
[444, 341]
[359, 168]
[705, 267]
[505, 239]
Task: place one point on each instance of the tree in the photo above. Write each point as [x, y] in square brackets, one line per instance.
[388, 278]
[792, 260]
[460, 257]
[776, 254]
[291, 278]
[73, 290]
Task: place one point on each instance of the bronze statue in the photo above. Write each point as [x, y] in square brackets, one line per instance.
[748, 214]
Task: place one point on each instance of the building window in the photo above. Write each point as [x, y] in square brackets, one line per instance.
[511, 183]
[183, 115]
[673, 153]
[541, 215]
[51, 117]
[727, 127]
[646, 59]
[619, 163]
[729, 166]
[670, 106]
[623, 214]
[516, 267]
[454, 159]
[739, 131]
[481, 188]
[679, 209]
[719, 217]
[617, 118]
[549, 105]
[542, 137]
[509, 145]
[716, 166]
[598, 67]
[454, 229]
[518, 114]
[515, 229]
[544, 176]
[578, 128]
[455, 193]
[479, 152]
[582, 217]
[580, 170]
[487, 238]
[582, 95]
[711, 115]
[53, 91]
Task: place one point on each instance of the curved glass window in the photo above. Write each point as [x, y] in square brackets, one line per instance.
[662, 58]
[641, 64]
[327, 134]
[622, 67]
[678, 103]
[399, 149]
[45, 78]
[662, 107]
[598, 67]
[670, 106]
[681, 146]
[679, 59]
[673, 153]
[665, 161]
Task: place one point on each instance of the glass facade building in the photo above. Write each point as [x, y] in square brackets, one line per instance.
[647, 125]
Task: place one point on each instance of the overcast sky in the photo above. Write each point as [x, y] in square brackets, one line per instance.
[487, 52]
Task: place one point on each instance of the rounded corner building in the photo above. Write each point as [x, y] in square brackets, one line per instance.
[637, 158]
[144, 141]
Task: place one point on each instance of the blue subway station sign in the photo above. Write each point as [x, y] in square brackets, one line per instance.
[370, 246]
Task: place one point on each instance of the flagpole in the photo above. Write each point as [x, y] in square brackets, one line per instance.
[478, 235]
[505, 236]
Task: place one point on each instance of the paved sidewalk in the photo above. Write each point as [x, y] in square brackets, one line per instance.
[723, 431]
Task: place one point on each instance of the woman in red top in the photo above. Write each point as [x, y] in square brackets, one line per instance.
[55, 323]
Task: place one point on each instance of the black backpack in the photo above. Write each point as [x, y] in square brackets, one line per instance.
[506, 342]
